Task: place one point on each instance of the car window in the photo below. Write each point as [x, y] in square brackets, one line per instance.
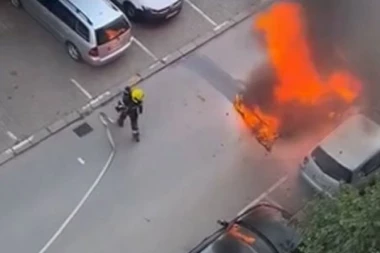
[82, 30]
[64, 14]
[371, 165]
[112, 30]
[47, 3]
[330, 166]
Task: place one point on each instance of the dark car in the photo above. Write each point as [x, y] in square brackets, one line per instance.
[264, 228]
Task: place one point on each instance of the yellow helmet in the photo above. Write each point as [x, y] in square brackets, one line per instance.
[137, 95]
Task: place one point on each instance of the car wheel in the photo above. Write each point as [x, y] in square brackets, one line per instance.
[16, 3]
[73, 51]
[130, 10]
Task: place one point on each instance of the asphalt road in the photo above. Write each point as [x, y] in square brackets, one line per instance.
[40, 83]
[196, 163]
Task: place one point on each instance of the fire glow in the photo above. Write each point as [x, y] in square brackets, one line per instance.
[299, 89]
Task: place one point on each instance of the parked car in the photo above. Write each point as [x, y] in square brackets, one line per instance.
[263, 228]
[150, 10]
[350, 154]
[96, 33]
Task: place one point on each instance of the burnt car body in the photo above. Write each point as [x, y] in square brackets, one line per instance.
[293, 117]
[264, 228]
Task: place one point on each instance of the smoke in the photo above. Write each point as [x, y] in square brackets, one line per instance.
[305, 81]
[346, 33]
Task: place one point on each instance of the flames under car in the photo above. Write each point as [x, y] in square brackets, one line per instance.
[269, 120]
[290, 94]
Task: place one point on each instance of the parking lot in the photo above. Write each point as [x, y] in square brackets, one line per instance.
[39, 82]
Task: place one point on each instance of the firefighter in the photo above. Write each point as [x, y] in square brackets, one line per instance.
[131, 104]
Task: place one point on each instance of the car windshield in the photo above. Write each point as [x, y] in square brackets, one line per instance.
[112, 30]
[330, 166]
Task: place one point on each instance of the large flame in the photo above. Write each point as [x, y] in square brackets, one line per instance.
[298, 85]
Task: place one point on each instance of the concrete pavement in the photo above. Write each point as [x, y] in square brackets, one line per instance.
[196, 163]
[40, 188]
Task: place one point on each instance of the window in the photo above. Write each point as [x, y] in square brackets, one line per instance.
[82, 30]
[64, 14]
[330, 166]
[47, 3]
[371, 165]
[112, 31]
[60, 11]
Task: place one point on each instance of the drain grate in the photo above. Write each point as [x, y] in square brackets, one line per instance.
[83, 129]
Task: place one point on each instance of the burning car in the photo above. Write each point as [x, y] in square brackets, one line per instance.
[263, 228]
[289, 94]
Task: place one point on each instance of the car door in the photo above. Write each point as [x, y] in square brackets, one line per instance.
[39, 10]
[368, 171]
[31, 6]
[61, 19]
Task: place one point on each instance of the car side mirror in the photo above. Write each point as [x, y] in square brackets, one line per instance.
[222, 223]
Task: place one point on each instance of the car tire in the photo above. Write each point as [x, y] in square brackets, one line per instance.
[73, 51]
[130, 10]
[16, 3]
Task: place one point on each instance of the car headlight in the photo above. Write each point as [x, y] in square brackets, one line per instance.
[153, 11]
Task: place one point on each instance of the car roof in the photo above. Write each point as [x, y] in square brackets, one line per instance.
[99, 12]
[353, 142]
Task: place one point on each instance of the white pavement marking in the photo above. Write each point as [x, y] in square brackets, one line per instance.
[216, 28]
[80, 87]
[81, 161]
[12, 135]
[154, 65]
[145, 49]
[204, 15]
[100, 97]
[87, 194]
[264, 194]
[20, 144]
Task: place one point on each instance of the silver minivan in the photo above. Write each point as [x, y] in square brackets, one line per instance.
[350, 154]
[94, 31]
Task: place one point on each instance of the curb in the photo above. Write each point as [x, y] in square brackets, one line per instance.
[99, 101]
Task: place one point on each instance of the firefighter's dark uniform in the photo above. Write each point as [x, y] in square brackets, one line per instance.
[129, 106]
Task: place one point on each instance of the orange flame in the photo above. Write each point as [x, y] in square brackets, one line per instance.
[112, 34]
[298, 80]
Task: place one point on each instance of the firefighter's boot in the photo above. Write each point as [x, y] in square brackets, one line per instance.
[120, 122]
[136, 136]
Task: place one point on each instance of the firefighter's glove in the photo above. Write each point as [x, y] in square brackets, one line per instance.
[119, 107]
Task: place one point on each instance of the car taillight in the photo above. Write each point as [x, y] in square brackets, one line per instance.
[94, 52]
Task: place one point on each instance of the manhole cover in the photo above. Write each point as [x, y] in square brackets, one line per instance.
[83, 130]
